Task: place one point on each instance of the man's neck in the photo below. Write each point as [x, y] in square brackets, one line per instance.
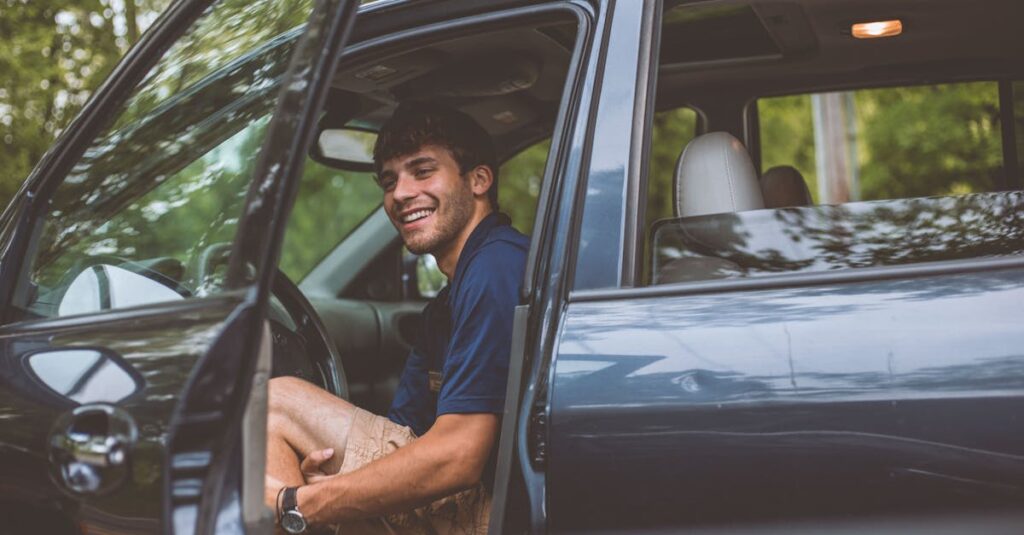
[448, 259]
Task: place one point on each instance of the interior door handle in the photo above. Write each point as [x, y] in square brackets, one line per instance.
[90, 448]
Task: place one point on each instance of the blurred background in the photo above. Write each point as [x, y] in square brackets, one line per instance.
[55, 54]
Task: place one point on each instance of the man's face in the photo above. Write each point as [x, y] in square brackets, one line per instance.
[427, 199]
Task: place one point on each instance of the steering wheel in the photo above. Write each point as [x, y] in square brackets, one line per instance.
[302, 346]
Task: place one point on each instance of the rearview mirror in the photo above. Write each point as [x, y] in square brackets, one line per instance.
[346, 148]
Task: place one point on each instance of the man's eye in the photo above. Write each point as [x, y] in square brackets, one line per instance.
[387, 184]
[423, 172]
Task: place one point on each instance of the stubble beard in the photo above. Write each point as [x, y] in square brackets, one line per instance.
[458, 210]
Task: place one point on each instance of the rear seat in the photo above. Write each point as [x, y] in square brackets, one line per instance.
[783, 186]
[714, 175]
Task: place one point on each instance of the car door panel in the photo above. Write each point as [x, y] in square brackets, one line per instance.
[164, 344]
[883, 397]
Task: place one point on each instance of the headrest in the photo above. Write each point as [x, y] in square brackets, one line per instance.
[715, 175]
[784, 186]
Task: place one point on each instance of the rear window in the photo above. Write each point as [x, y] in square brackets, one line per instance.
[888, 143]
[895, 176]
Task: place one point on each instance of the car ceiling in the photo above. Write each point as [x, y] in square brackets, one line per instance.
[942, 40]
[510, 81]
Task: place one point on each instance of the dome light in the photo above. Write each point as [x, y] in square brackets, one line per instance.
[882, 28]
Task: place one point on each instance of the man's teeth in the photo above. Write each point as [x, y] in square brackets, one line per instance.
[419, 214]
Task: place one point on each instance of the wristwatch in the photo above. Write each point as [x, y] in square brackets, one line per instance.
[291, 519]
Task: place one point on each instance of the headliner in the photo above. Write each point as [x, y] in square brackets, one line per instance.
[942, 40]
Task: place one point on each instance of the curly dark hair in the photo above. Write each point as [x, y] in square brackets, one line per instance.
[415, 124]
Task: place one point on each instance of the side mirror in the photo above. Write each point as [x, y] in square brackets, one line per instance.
[345, 148]
[84, 375]
[104, 287]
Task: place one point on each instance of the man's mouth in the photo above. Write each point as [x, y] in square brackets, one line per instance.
[415, 216]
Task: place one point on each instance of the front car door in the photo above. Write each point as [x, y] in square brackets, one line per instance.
[137, 265]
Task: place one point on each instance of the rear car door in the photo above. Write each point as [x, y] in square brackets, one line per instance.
[137, 266]
[860, 369]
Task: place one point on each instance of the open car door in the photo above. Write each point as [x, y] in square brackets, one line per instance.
[137, 266]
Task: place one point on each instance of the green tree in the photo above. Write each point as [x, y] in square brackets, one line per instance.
[56, 53]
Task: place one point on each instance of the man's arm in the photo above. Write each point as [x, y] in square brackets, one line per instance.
[450, 457]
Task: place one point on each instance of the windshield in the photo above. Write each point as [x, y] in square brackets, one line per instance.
[161, 190]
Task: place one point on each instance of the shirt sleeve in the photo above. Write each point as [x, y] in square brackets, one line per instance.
[476, 368]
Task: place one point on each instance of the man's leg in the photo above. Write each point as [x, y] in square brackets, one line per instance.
[302, 418]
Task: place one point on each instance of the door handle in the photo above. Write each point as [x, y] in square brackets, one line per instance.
[90, 448]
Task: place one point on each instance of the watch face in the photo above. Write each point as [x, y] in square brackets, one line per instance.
[293, 522]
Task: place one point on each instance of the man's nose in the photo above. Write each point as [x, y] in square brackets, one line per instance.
[405, 188]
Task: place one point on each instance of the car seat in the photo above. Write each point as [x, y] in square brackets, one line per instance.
[714, 175]
[783, 186]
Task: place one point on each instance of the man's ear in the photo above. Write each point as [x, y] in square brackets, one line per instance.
[481, 178]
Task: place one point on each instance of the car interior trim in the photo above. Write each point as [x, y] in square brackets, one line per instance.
[796, 280]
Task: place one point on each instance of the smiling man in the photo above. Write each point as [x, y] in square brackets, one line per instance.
[422, 468]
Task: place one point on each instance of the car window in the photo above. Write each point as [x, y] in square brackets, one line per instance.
[155, 200]
[895, 176]
[331, 203]
[519, 184]
[887, 143]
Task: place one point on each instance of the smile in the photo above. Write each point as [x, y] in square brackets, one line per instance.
[417, 215]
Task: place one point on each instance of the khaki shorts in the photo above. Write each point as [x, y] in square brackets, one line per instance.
[372, 437]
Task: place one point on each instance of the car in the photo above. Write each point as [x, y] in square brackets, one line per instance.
[775, 283]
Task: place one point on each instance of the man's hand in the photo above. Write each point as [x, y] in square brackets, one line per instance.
[311, 466]
[449, 457]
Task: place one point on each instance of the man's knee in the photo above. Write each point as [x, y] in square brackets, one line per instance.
[282, 393]
[299, 400]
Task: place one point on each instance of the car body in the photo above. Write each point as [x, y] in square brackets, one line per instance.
[857, 367]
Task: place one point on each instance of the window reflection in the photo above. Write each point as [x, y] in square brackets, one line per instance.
[164, 186]
[83, 375]
[852, 235]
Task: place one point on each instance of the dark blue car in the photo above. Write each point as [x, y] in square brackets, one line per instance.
[775, 284]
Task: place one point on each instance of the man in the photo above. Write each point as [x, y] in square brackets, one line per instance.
[439, 175]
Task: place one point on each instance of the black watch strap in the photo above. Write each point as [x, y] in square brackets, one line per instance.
[290, 500]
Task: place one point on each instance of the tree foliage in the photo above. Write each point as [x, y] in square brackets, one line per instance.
[54, 56]
[910, 141]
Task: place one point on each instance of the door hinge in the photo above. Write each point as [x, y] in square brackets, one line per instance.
[538, 436]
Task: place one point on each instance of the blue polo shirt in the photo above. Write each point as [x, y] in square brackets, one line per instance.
[459, 363]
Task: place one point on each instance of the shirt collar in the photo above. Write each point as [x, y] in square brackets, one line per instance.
[477, 238]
